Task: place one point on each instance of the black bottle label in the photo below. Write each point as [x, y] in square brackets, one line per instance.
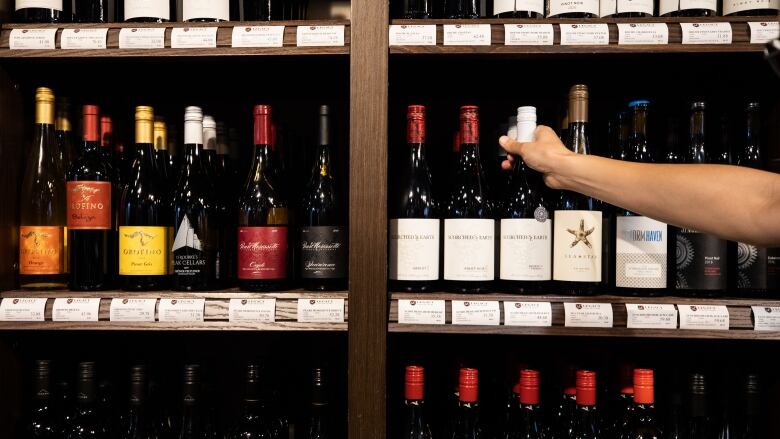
[323, 252]
[751, 267]
[701, 261]
[192, 254]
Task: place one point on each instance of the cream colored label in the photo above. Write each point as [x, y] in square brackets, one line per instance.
[45, 4]
[147, 8]
[469, 250]
[212, 9]
[577, 246]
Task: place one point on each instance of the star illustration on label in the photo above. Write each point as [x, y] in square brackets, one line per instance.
[141, 235]
[581, 235]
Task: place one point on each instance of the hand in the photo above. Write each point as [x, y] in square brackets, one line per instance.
[545, 154]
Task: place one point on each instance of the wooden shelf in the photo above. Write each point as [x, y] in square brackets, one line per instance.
[215, 316]
[740, 38]
[224, 41]
[740, 317]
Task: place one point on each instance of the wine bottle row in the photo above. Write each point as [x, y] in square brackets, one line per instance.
[150, 221]
[509, 232]
[156, 11]
[93, 411]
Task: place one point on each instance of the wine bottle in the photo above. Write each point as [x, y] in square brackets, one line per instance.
[518, 8]
[206, 10]
[529, 419]
[42, 11]
[89, 212]
[469, 227]
[751, 8]
[687, 8]
[462, 8]
[91, 11]
[262, 218]
[698, 423]
[86, 423]
[319, 423]
[40, 422]
[577, 236]
[210, 148]
[623, 413]
[415, 425]
[195, 215]
[586, 417]
[418, 9]
[254, 421]
[626, 8]
[161, 156]
[263, 10]
[564, 416]
[123, 164]
[210, 164]
[526, 228]
[701, 258]
[107, 139]
[226, 182]
[139, 421]
[63, 406]
[42, 211]
[64, 131]
[144, 220]
[567, 9]
[192, 417]
[466, 424]
[644, 424]
[147, 11]
[751, 423]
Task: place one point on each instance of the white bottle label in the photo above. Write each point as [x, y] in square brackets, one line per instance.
[501, 6]
[667, 6]
[45, 4]
[640, 252]
[610, 7]
[469, 249]
[558, 7]
[733, 6]
[147, 8]
[212, 9]
[526, 249]
[577, 246]
[414, 249]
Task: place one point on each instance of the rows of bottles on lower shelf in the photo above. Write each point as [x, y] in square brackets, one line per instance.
[142, 219]
[507, 231]
[95, 409]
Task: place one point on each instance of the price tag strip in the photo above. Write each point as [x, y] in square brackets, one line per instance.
[529, 34]
[527, 314]
[132, 310]
[704, 317]
[142, 38]
[320, 36]
[706, 33]
[476, 312]
[194, 37]
[643, 33]
[84, 38]
[252, 310]
[21, 309]
[467, 35]
[763, 32]
[590, 34]
[32, 39]
[75, 310]
[321, 310]
[181, 310]
[422, 312]
[766, 318]
[258, 36]
[588, 315]
[412, 35]
[651, 316]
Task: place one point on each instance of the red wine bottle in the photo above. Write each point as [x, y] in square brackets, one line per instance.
[564, 416]
[42, 11]
[644, 424]
[319, 418]
[699, 423]
[567, 9]
[210, 163]
[751, 423]
[226, 182]
[518, 8]
[90, 222]
[193, 417]
[139, 421]
[415, 425]
[466, 424]
[40, 422]
[586, 417]
[529, 413]
[254, 421]
[86, 422]
[91, 11]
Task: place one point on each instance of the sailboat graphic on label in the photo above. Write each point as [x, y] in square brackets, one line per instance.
[186, 236]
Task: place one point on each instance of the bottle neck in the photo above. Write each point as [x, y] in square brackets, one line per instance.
[322, 166]
[577, 139]
[698, 153]
[639, 124]
[469, 156]
[86, 392]
[698, 407]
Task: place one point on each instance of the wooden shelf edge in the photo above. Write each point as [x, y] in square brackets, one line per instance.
[232, 293]
[170, 326]
[176, 53]
[577, 50]
[501, 21]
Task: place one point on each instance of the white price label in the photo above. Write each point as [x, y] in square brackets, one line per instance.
[476, 312]
[528, 34]
[412, 34]
[706, 33]
[467, 35]
[84, 38]
[643, 33]
[651, 316]
[21, 309]
[313, 36]
[142, 38]
[75, 310]
[422, 312]
[132, 310]
[704, 317]
[252, 310]
[763, 32]
[590, 34]
[588, 315]
[32, 39]
[527, 314]
[766, 318]
[194, 38]
[258, 36]
[321, 310]
[181, 310]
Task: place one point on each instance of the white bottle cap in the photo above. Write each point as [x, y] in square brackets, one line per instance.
[526, 114]
[209, 133]
[526, 124]
[193, 126]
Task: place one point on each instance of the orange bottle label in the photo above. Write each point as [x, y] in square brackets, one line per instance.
[89, 205]
[41, 250]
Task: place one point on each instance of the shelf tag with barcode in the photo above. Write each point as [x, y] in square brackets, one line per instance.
[181, 310]
[476, 312]
[35, 39]
[764, 31]
[422, 312]
[320, 310]
[584, 34]
[766, 318]
[412, 34]
[704, 317]
[132, 310]
[21, 309]
[527, 314]
[651, 316]
[467, 35]
[706, 33]
[643, 33]
[84, 38]
[194, 37]
[588, 315]
[258, 36]
[142, 38]
[252, 310]
[320, 36]
[73, 309]
[529, 34]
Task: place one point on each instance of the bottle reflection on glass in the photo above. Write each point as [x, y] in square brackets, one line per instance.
[462, 8]
[91, 11]
[418, 9]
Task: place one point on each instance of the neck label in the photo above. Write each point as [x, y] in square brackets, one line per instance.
[476, 312]
[84, 38]
[132, 310]
[650, 316]
[527, 314]
[763, 32]
[588, 315]
[766, 318]
[320, 310]
[21, 309]
[75, 310]
[252, 310]
[181, 310]
[194, 37]
[422, 312]
[587, 34]
[704, 317]
[32, 39]
[467, 35]
[412, 34]
[706, 33]
[528, 34]
[142, 38]
[258, 36]
[643, 33]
